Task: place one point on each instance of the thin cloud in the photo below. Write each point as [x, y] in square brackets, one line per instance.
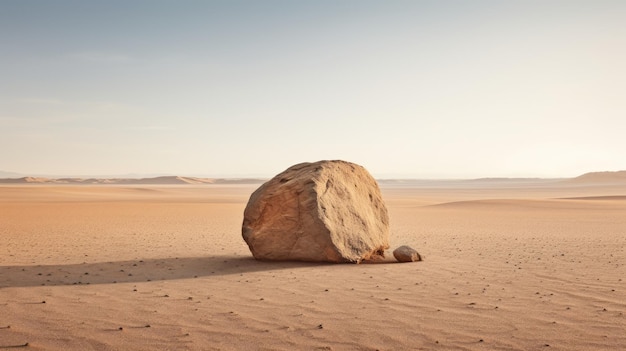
[103, 57]
[40, 101]
[151, 128]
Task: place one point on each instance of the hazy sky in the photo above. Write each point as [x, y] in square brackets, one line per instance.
[422, 89]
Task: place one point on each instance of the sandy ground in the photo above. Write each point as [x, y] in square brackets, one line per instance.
[524, 267]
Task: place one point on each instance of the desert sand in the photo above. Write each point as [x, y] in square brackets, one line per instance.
[537, 265]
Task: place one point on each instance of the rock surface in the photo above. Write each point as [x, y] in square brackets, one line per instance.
[327, 211]
[406, 254]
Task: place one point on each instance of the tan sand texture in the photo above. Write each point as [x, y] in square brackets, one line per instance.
[520, 266]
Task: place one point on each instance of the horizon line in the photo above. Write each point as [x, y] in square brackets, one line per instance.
[138, 176]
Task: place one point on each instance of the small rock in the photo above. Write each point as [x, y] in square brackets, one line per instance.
[406, 254]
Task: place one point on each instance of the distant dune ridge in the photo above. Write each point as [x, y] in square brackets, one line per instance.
[601, 177]
[25, 180]
[608, 177]
[164, 180]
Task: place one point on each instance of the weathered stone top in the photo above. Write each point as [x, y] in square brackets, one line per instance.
[324, 211]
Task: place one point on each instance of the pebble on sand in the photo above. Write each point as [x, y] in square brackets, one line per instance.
[406, 253]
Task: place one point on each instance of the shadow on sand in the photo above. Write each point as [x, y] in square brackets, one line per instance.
[137, 270]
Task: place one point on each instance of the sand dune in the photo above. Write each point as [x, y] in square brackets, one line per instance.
[167, 180]
[564, 204]
[612, 178]
[618, 177]
[25, 180]
[145, 267]
[602, 198]
[164, 180]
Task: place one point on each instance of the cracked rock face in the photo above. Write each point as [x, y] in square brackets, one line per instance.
[327, 211]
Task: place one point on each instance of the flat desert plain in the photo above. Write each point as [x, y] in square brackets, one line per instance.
[508, 266]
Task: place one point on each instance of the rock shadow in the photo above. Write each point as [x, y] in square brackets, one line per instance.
[140, 270]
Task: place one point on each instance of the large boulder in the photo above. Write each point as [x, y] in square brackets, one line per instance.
[327, 211]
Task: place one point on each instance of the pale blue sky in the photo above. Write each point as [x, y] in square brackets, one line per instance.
[425, 89]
